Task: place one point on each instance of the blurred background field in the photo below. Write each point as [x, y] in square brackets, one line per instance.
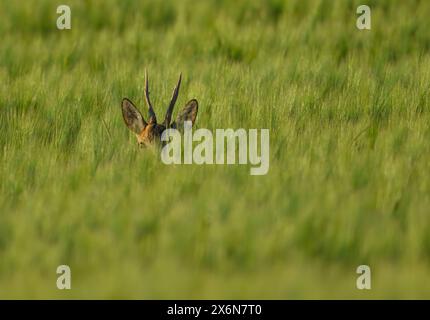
[349, 119]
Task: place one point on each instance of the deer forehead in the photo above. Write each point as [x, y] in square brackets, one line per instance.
[150, 131]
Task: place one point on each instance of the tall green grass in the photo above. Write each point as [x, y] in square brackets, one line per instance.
[349, 119]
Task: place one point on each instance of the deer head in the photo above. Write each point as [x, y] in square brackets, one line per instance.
[149, 132]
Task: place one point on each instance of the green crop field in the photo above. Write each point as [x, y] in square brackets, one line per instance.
[348, 112]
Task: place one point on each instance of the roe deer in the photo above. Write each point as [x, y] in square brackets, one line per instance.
[149, 133]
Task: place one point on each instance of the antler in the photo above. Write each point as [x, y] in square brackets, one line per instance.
[169, 111]
[152, 117]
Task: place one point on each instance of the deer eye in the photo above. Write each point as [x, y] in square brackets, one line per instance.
[141, 144]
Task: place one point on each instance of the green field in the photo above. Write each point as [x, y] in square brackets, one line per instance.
[349, 119]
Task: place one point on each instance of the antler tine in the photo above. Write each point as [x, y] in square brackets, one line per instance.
[152, 117]
[169, 111]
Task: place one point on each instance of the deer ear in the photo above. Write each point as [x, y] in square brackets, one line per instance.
[188, 113]
[132, 117]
